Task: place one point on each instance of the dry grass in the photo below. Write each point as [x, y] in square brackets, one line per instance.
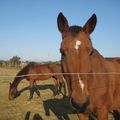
[44, 108]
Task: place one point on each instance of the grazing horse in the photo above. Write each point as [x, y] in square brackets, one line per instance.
[95, 85]
[34, 72]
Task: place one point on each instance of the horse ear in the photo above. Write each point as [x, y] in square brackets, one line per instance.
[90, 24]
[62, 23]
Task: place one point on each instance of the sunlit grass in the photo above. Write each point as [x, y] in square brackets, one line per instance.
[22, 109]
[47, 107]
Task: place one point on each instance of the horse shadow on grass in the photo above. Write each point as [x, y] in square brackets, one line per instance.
[39, 87]
[35, 117]
[60, 107]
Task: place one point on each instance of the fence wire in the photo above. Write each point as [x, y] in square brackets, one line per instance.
[52, 74]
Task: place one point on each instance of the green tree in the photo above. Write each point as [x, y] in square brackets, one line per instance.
[15, 61]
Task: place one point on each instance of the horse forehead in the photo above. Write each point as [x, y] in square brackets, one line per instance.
[77, 44]
[74, 41]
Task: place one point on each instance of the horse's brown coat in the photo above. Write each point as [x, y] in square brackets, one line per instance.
[34, 68]
[116, 59]
[101, 92]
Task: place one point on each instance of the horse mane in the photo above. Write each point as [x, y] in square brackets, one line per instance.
[23, 71]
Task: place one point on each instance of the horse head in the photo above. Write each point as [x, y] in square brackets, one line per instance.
[76, 49]
[13, 93]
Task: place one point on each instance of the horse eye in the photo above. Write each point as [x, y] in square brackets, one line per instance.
[62, 52]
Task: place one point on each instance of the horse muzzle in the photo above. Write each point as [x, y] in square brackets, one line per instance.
[12, 97]
[81, 108]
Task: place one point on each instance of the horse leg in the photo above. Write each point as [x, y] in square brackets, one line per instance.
[56, 87]
[102, 114]
[116, 115]
[68, 86]
[31, 89]
[62, 85]
[36, 89]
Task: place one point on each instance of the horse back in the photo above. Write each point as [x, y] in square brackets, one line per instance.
[40, 71]
[55, 68]
[115, 59]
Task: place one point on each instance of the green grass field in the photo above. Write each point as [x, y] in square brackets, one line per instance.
[45, 108]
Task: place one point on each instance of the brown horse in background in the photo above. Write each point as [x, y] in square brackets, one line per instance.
[37, 72]
[115, 59]
[90, 92]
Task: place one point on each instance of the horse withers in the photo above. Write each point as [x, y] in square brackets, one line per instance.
[95, 86]
[37, 72]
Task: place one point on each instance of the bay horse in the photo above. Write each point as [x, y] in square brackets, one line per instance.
[37, 72]
[94, 81]
[116, 59]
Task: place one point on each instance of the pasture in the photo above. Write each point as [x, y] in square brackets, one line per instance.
[44, 108]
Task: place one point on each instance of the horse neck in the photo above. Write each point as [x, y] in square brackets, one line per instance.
[16, 81]
[20, 76]
[97, 62]
[97, 65]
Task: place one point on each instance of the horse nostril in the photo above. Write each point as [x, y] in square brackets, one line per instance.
[74, 104]
[80, 107]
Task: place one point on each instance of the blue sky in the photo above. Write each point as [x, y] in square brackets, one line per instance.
[28, 28]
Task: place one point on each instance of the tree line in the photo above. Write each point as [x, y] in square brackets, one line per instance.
[14, 62]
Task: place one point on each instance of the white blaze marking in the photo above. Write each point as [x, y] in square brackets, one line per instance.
[81, 84]
[78, 43]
